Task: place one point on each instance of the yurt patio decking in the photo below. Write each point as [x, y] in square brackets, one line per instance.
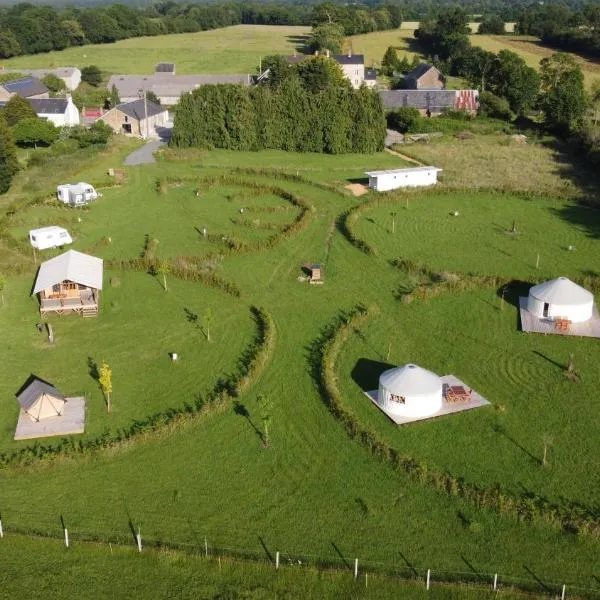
[449, 407]
[531, 323]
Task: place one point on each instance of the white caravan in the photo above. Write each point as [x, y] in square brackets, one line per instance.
[76, 194]
[49, 237]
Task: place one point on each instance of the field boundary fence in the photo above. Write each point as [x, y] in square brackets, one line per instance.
[360, 568]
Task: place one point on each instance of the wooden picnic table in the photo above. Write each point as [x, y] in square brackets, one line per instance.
[457, 393]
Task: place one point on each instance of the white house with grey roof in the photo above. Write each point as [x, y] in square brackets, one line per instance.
[168, 87]
[62, 112]
[138, 118]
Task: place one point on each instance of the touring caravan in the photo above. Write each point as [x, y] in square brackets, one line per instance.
[76, 194]
[49, 237]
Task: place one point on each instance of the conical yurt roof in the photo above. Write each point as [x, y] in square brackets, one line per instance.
[561, 291]
[410, 380]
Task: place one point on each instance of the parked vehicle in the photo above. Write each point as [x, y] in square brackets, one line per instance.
[77, 194]
[49, 237]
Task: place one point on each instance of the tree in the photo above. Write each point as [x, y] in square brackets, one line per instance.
[390, 61]
[9, 164]
[446, 37]
[91, 75]
[493, 106]
[16, 109]
[476, 65]
[163, 267]
[318, 73]
[492, 25]
[207, 319]
[105, 380]
[54, 83]
[150, 96]
[402, 119]
[265, 406]
[73, 32]
[279, 69]
[114, 96]
[511, 78]
[35, 132]
[2, 286]
[563, 98]
[9, 45]
[328, 36]
[547, 440]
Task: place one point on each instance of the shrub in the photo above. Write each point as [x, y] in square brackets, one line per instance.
[91, 75]
[493, 106]
[403, 119]
[54, 83]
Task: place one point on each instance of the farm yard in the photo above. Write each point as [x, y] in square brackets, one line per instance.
[313, 491]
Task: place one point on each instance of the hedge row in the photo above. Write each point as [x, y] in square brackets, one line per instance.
[249, 367]
[525, 507]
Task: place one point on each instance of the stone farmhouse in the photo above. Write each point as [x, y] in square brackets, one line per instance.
[431, 102]
[130, 118]
[166, 85]
[424, 77]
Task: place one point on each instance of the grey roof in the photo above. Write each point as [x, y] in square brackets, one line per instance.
[165, 68]
[422, 169]
[370, 74]
[135, 109]
[434, 100]
[41, 73]
[419, 71]
[341, 59]
[71, 266]
[49, 106]
[30, 394]
[25, 87]
[166, 85]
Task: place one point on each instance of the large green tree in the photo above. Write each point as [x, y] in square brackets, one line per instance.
[8, 157]
[35, 132]
[92, 75]
[563, 97]
[16, 109]
[327, 36]
[9, 45]
[318, 73]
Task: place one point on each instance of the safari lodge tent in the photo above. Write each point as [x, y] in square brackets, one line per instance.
[410, 391]
[70, 282]
[561, 299]
[40, 400]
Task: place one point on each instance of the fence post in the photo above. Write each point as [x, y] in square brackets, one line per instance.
[138, 537]
[1, 530]
[206, 547]
[564, 592]
[66, 538]
[277, 560]
[355, 568]
[495, 581]
[428, 579]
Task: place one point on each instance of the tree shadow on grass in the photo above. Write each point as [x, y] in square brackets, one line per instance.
[366, 373]
[242, 411]
[300, 43]
[339, 553]
[513, 290]
[543, 585]
[502, 431]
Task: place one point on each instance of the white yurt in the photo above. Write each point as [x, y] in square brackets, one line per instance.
[410, 391]
[561, 298]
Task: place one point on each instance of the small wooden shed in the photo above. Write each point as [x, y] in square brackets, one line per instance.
[314, 272]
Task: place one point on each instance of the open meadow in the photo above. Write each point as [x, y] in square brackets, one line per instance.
[314, 493]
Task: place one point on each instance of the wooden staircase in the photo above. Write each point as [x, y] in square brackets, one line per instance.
[89, 311]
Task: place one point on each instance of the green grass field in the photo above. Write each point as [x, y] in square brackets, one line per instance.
[313, 492]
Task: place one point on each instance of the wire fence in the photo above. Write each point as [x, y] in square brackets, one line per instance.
[204, 546]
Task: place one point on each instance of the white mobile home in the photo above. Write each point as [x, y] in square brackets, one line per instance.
[49, 237]
[76, 194]
[391, 179]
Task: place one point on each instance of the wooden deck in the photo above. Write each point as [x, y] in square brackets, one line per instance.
[530, 323]
[86, 306]
[71, 421]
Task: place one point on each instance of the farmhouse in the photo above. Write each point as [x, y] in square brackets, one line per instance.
[27, 87]
[431, 102]
[70, 282]
[139, 118]
[76, 194]
[40, 400]
[168, 87]
[70, 75]
[410, 391]
[424, 77]
[61, 112]
[353, 66]
[391, 179]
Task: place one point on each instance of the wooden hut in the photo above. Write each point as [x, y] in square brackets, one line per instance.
[70, 282]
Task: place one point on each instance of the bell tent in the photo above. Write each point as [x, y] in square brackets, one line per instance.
[40, 400]
[410, 391]
[561, 298]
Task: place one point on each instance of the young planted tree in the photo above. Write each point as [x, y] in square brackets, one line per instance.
[2, 286]
[105, 380]
[547, 440]
[114, 96]
[207, 318]
[265, 406]
[163, 267]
